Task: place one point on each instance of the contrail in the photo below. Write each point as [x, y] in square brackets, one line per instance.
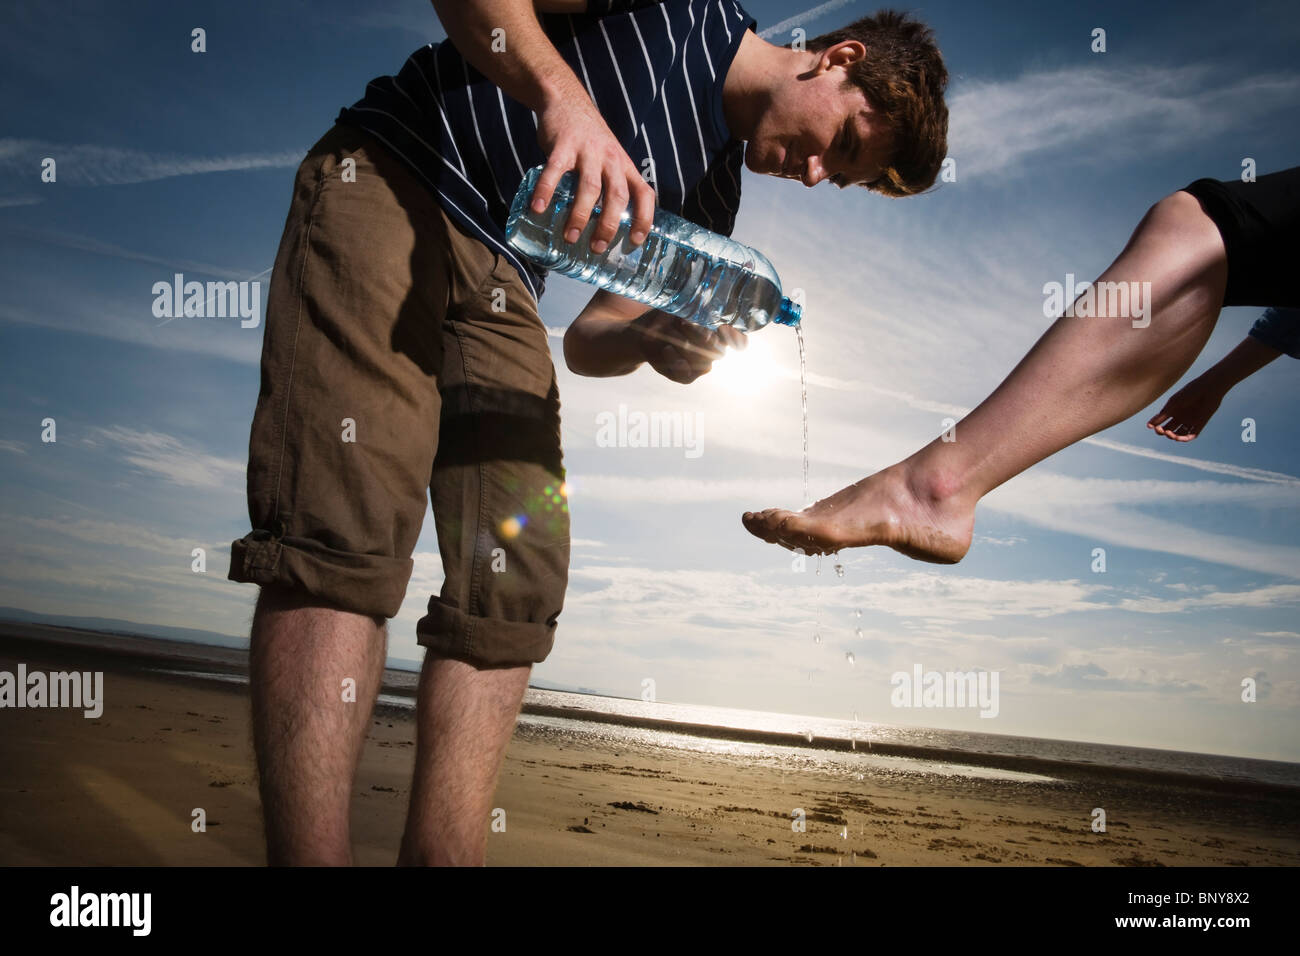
[959, 411]
[214, 295]
[88, 164]
[800, 18]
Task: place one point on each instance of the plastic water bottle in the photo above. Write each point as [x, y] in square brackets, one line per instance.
[681, 268]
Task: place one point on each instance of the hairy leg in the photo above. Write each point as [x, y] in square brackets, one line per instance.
[308, 738]
[466, 718]
[1082, 376]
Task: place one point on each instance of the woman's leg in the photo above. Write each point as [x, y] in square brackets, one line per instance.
[1084, 375]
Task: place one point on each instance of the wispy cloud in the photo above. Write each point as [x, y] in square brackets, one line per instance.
[117, 534]
[171, 459]
[997, 126]
[1277, 595]
[86, 164]
[960, 411]
[1092, 677]
[108, 249]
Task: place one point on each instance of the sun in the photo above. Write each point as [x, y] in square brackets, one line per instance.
[749, 371]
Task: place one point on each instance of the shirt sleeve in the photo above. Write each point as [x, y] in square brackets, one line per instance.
[1279, 328]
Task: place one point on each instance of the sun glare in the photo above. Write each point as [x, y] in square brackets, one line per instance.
[747, 372]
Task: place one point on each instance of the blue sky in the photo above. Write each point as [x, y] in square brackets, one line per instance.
[174, 161]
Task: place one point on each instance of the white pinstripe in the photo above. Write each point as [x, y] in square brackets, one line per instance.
[505, 121]
[469, 95]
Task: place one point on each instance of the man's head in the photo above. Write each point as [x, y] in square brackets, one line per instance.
[862, 106]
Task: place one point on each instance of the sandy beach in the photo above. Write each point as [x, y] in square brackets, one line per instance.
[121, 790]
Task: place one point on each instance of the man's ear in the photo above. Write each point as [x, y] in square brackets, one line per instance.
[842, 54]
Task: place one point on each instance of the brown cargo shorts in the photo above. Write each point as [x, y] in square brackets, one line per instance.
[401, 356]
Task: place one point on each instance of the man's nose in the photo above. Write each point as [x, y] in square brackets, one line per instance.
[813, 171]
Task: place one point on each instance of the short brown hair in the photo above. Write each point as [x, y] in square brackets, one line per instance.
[902, 77]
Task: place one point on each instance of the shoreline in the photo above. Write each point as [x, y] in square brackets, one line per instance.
[134, 652]
[122, 789]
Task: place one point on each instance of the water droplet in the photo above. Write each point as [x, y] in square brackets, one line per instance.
[855, 716]
[839, 570]
[858, 633]
[810, 736]
[844, 834]
[857, 612]
[817, 638]
[848, 656]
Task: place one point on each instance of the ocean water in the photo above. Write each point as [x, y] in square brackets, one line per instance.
[846, 747]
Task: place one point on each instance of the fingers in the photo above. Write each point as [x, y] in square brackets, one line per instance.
[1174, 428]
[681, 364]
[611, 214]
[643, 210]
[731, 337]
[674, 330]
[1159, 417]
[699, 339]
[584, 199]
[612, 188]
[556, 166]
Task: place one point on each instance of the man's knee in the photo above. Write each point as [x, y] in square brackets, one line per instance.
[283, 597]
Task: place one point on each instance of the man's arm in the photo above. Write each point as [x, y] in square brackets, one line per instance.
[570, 129]
[615, 335]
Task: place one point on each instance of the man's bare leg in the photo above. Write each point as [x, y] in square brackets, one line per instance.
[466, 718]
[1082, 376]
[308, 739]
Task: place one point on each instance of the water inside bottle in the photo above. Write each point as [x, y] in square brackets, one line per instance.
[681, 268]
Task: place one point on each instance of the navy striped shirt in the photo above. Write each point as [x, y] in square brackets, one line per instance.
[655, 70]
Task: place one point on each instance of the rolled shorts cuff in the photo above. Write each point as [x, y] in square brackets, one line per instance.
[449, 632]
[371, 584]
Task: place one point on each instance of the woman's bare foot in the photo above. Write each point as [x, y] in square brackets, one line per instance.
[880, 509]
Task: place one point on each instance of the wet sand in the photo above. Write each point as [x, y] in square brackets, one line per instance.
[121, 789]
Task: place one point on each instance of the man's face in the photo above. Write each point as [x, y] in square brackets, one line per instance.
[817, 128]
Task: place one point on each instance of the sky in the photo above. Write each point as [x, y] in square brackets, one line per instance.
[174, 161]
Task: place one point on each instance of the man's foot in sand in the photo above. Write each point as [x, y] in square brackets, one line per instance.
[880, 509]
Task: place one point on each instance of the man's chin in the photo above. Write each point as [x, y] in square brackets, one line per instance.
[754, 165]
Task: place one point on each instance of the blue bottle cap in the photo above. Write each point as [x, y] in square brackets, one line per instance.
[788, 313]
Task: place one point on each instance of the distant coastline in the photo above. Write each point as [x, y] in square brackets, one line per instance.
[192, 658]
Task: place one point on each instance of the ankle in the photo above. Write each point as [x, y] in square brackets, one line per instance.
[931, 485]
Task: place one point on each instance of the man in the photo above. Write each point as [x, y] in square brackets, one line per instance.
[1210, 245]
[1185, 413]
[404, 355]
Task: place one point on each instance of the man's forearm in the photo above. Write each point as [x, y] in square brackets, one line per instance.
[530, 70]
[602, 347]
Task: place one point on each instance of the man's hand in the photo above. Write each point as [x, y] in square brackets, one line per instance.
[679, 349]
[574, 135]
[570, 130]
